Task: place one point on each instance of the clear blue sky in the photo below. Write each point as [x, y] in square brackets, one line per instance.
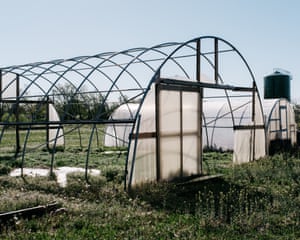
[266, 32]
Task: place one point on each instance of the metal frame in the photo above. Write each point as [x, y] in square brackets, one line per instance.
[125, 75]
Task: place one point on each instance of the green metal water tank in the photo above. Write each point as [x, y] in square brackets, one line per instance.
[277, 85]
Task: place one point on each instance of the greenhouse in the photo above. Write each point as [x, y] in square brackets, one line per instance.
[171, 99]
[281, 127]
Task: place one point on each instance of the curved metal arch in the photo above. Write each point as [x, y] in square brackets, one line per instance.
[212, 65]
[101, 72]
[26, 78]
[29, 128]
[215, 122]
[77, 89]
[107, 57]
[45, 95]
[8, 85]
[145, 50]
[59, 62]
[11, 112]
[195, 40]
[157, 51]
[249, 70]
[95, 68]
[145, 63]
[53, 84]
[45, 70]
[206, 129]
[271, 112]
[181, 45]
[242, 116]
[37, 76]
[17, 100]
[33, 81]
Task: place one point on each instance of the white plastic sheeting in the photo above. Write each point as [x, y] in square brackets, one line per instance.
[171, 149]
[9, 86]
[177, 154]
[117, 135]
[55, 131]
[228, 125]
[217, 132]
[61, 173]
[142, 156]
[219, 121]
[250, 142]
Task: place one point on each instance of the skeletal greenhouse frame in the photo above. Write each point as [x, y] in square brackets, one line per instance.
[121, 78]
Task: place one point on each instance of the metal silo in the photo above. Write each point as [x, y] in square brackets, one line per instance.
[277, 85]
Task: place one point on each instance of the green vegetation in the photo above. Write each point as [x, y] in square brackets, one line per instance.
[260, 200]
[75, 104]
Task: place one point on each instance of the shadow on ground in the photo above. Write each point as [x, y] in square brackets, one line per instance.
[215, 196]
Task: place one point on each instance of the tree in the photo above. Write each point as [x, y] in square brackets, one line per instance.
[79, 105]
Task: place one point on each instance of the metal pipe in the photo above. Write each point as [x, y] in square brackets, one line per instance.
[200, 108]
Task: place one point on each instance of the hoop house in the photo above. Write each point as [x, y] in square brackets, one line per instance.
[170, 85]
[281, 127]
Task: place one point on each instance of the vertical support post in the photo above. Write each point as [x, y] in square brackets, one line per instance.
[157, 126]
[134, 152]
[253, 121]
[216, 60]
[287, 124]
[47, 125]
[200, 106]
[18, 147]
[97, 137]
[80, 141]
[157, 123]
[181, 134]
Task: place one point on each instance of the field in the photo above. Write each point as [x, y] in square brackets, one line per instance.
[259, 200]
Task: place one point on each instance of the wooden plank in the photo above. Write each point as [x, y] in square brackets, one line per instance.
[29, 212]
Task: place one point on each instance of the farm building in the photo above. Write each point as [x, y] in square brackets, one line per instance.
[131, 99]
[281, 127]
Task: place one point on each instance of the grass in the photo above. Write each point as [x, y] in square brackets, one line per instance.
[259, 200]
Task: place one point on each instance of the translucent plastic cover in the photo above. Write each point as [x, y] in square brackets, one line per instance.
[55, 132]
[280, 120]
[117, 135]
[9, 86]
[171, 149]
[250, 141]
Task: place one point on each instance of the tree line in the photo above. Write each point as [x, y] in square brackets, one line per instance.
[69, 103]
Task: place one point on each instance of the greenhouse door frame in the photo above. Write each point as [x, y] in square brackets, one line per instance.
[175, 86]
[283, 125]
